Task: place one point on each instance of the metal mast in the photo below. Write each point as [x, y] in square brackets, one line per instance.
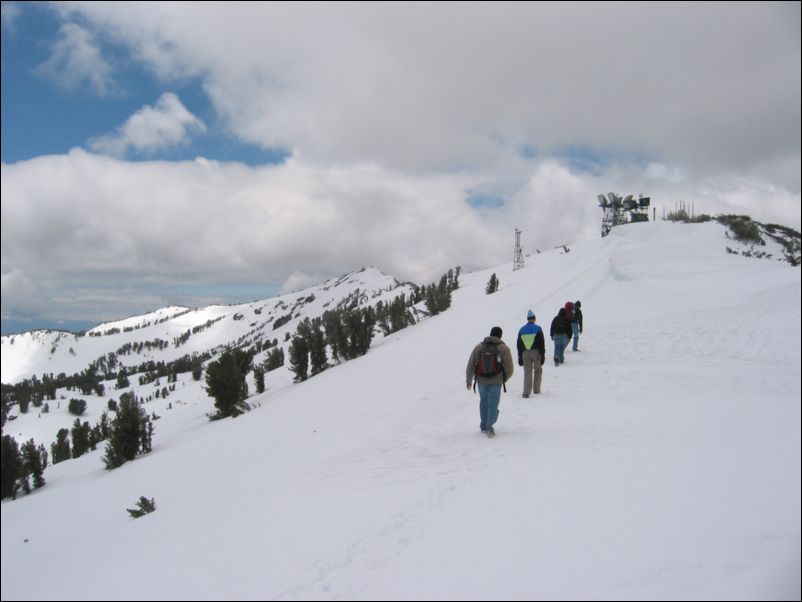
[518, 256]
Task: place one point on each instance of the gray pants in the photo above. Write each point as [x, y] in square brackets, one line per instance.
[533, 371]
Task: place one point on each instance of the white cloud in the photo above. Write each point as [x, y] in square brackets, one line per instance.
[468, 85]
[395, 114]
[21, 296]
[299, 280]
[76, 61]
[92, 223]
[150, 129]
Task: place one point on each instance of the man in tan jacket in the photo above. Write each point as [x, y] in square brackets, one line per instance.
[490, 365]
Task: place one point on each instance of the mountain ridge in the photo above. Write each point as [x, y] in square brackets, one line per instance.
[660, 462]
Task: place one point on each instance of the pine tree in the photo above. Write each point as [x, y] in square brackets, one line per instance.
[225, 382]
[144, 506]
[336, 337]
[317, 349]
[400, 317]
[60, 450]
[275, 359]
[259, 377]
[11, 467]
[103, 426]
[80, 438]
[77, 406]
[131, 433]
[34, 461]
[122, 381]
[383, 317]
[492, 285]
[299, 358]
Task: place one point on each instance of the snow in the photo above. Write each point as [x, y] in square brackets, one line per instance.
[660, 462]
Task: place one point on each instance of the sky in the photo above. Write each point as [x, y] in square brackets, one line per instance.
[660, 462]
[191, 153]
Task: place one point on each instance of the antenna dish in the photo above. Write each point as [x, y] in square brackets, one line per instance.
[622, 210]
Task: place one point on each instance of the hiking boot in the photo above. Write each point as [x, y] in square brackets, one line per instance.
[490, 433]
[525, 396]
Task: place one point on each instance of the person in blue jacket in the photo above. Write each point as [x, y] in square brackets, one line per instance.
[531, 353]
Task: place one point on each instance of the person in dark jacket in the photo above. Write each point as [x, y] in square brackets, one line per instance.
[576, 324]
[490, 385]
[560, 333]
[531, 354]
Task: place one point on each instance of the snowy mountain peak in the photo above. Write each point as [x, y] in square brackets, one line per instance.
[172, 332]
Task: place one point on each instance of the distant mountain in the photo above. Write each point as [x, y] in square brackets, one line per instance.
[173, 332]
[15, 326]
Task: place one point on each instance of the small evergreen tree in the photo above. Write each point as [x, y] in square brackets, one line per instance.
[80, 438]
[131, 433]
[492, 285]
[275, 359]
[317, 349]
[34, 461]
[400, 316]
[60, 450]
[259, 377]
[336, 337]
[144, 506]
[11, 467]
[225, 382]
[299, 358]
[103, 426]
[77, 406]
[122, 381]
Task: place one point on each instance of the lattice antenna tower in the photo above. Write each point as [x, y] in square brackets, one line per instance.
[518, 255]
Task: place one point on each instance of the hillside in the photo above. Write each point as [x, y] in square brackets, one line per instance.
[208, 328]
[661, 462]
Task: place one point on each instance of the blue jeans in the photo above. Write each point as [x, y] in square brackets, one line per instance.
[560, 343]
[489, 397]
[575, 330]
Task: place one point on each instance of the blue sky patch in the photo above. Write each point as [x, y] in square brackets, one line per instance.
[44, 115]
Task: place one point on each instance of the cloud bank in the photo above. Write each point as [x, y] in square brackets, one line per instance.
[419, 136]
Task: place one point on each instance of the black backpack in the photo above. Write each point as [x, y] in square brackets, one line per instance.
[489, 363]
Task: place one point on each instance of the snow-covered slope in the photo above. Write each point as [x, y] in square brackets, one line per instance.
[661, 462]
[40, 352]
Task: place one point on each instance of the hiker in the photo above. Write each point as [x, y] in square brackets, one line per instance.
[576, 324]
[560, 333]
[489, 367]
[531, 353]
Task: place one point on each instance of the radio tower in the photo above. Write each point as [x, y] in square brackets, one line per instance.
[518, 257]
